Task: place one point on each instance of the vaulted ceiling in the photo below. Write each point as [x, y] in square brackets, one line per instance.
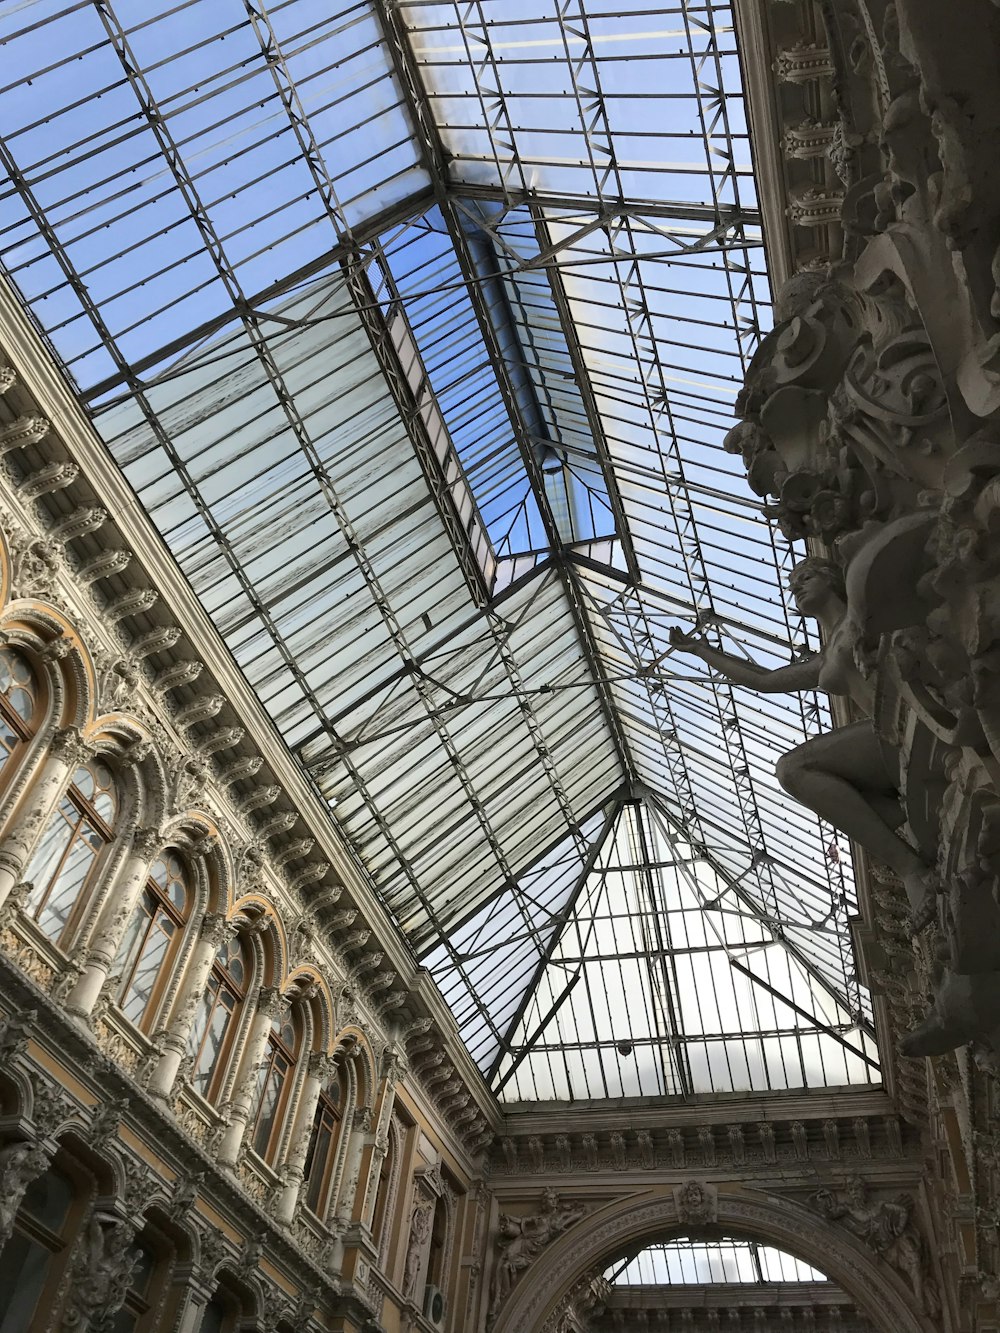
[416, 329]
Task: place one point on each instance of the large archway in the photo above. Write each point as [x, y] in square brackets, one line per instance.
[599, 1236]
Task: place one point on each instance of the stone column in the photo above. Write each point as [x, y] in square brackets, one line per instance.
[320, 1070]
[113, 921]
[269, 1005]
[380, 1146]
[215, 929]
[67, 750]
[361, 1125]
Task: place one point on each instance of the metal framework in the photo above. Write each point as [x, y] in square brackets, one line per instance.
[727, 1261]
[416, 328]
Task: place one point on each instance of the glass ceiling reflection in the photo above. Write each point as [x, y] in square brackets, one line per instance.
[417, 329]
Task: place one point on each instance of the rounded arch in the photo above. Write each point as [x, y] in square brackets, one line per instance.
[261, 917]
[55, 643]
[197, 837]
[598, 1237]
[6, 569]
[129, 742]
[352, 1044]
[307, 984]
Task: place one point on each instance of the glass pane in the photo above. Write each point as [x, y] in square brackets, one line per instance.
[48, 1199]
[147, 970]
[318, 1157]
[23, 1267]
[66, 888]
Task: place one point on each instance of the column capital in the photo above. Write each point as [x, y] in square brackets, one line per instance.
[270, 1001]
[216, 928]
[322, 1066]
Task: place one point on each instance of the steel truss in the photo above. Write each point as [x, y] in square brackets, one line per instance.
[666, 731]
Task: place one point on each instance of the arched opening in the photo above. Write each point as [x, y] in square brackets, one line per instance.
[212, 1037]
[731, 1281]
[274, 1082]
[34, 1259]
[148, 950]
[20, 707]
[324, 1141]
[790, 1235]
[67, 862]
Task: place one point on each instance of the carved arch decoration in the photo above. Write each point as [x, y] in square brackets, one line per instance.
[260, 918]
[6, 569]
[129, 741]
[603, 1234]
[306, 983]
[55, 643]
[353, 1044]
[196, 834]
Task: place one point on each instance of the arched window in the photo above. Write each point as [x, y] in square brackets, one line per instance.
[65, 861]
[210, 1042]
[151, 940]
[18, 702]
[322, 1155]
[32, 1261]
[273, 1082]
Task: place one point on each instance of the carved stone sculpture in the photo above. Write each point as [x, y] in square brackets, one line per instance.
[421, 1220]
[20, 1164]
[520, 1240]
[848, 776]
[102, 1274]
[887, 1228]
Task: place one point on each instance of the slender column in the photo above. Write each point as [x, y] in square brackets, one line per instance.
[380, 1146]
[67, 750]
[113, 921]
[269, 1006]
[215, 929]
[320, 1071]
[347, 1196]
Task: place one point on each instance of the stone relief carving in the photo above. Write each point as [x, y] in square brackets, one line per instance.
[102, 1274]
[421, 1220]
[520, 1240]
[869, 424]
[20, 1164]
[887, 1227]
[697, 1204]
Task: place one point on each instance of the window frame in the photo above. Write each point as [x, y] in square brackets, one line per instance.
[219, 974]
[179, 919]
[276, 1049]
[87, 813]
[337, 1112]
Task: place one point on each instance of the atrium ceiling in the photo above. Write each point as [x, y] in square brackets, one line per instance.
[417, 329]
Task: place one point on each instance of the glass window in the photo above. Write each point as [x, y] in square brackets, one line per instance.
[63, 866]
[154, 931]
[28, 1260]
[18, 702]
[323, 1143]
[215, 1318]
[273, 1083]
[211, 1034]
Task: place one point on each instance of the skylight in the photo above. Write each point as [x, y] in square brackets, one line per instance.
[687, 1262]
[417, 329]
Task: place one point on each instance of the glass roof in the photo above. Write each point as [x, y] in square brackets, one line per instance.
[417, 329]
[686, 1262]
